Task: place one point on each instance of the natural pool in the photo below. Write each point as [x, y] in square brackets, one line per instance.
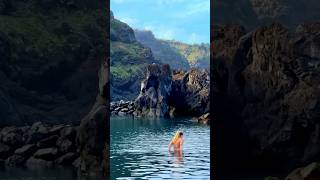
[139, 149]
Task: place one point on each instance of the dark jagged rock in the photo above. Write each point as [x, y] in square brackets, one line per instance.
[266, 94]
[37, 132]
[51, 141]
[92, 134]
[34, 163]
[65, 145]
[204, 119]
[155, 90]
[15, 160]
[190, 92]
[66, 159]
[5, 151]
[310, 172]
[48, 142]
[181, 94]
[46, 153]
[26, 150]
[68, 132]
[254, 13]
[122, 107]
[55, 130]
[12, 136]
[49, 59]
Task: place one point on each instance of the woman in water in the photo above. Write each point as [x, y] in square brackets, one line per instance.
[176, 142]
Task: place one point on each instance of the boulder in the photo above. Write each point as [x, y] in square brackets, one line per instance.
[48, 142]
[5, 151]
[66, 159]
[55, 130]
[76, 163]
[34, 163]
[65, 145]
[26, 150]
[68, 132]
[204, 119]
[15, 160]
[37, 132]
[12, 136]
[310, 172]
[46, 153]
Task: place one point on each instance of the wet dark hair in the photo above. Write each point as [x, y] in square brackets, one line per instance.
[180, 134]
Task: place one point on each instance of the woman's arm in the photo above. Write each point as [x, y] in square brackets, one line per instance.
[181, 143]
[169, 146]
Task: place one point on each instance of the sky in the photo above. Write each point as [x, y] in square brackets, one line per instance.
[187, 21]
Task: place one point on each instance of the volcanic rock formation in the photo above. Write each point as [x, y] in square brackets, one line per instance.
[266, 94]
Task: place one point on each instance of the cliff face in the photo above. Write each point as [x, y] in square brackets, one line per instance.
[266, 93]
[197, 55]
[129, 60]
[162, 50]
[164, 93]
[50, 52]
[253, 13]
[178, 55]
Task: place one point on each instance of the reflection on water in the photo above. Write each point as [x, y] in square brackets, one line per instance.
[56, 173]
[176, 156]
[65, 173]
[139, 149]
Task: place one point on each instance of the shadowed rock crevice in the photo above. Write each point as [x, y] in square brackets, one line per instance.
[265, 85]
[168, 94]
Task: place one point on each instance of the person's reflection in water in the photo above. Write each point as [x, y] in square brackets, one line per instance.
[178, 157]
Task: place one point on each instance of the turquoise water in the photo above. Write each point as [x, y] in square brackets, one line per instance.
[56, 173]
[65, 173]
[139, 149]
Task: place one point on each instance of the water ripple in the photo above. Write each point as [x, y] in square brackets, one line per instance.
[139, 149]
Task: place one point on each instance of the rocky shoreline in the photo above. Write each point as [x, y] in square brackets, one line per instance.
[169, 93]
[127, 108]
[122, 108]
[40, 145]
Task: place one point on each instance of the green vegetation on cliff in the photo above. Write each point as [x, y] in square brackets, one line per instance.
[198, 55]
[128, 61]
[178, 55]
[162, 50]
[50, 54]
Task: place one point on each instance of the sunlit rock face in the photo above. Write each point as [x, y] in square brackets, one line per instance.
[167, 94]
[155, 90]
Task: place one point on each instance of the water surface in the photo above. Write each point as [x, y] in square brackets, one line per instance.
[139, 149]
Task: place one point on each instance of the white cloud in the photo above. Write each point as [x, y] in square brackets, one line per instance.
[149, 27]
[161, 32]
[194, 38]
[166, 34]
[128, 20]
